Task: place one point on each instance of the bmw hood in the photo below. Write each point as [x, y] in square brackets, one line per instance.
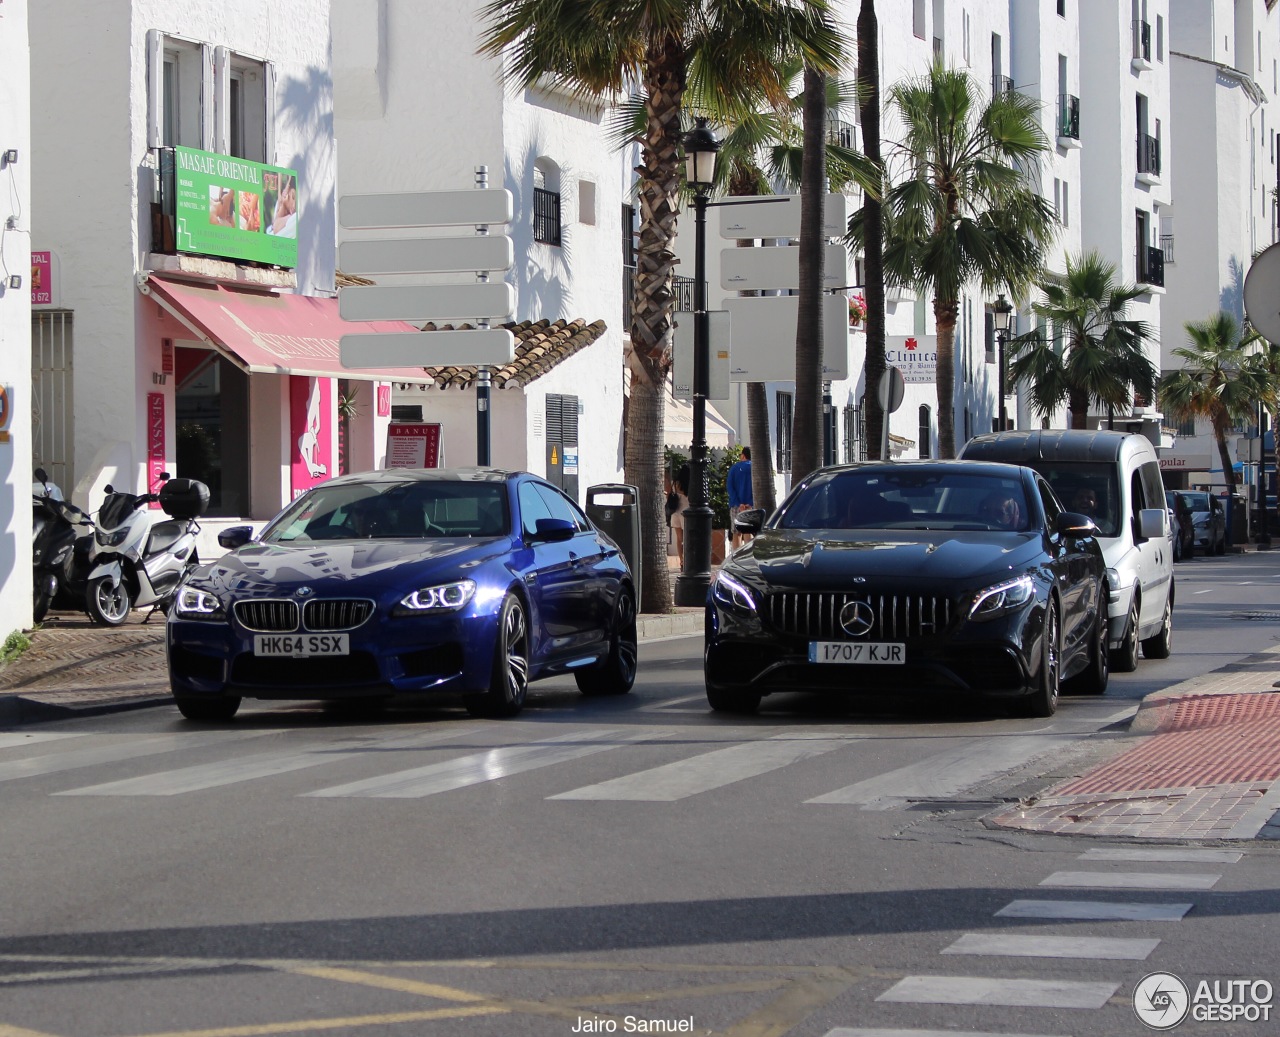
[820, 559]
[345, 567]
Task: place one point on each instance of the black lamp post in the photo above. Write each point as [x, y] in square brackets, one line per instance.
[700, 148]
[1001, 311]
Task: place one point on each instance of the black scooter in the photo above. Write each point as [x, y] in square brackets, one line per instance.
[60, 552]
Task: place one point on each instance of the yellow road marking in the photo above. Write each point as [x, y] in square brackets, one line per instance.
[798, 1001]
[405, 986]
[305, 1025]
[18, 1031]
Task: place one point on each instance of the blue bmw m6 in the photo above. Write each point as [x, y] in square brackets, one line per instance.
[411, 583]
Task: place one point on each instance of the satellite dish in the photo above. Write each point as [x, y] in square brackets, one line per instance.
[1262, 293]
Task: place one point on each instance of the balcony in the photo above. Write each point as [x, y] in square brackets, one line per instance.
[546, 216]
[1001, 85]
[1150, 267]
[1148, 159]
[1141, 46]
[682, 293]
[842, 134]
[1068, 121]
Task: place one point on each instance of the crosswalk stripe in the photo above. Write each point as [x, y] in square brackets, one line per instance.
[946, 773]
[9, 739]
[116, 751]
[1013, 945]
[981, 990]
[1094, 910]
[1130, 880]
[1139, 853]
[859, 1031]
[485, 766]
[683, 778]
[246, 768]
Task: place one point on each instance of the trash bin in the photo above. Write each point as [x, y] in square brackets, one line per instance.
[614, 508]
[1237, 518]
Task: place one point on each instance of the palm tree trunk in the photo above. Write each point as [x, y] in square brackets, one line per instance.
[1078, 406]
[659, 183]
[1224, 455]
[807, 425]
[873, 236]
[946, 313]
[762, 492]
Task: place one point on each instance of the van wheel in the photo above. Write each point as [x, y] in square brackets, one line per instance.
[1126, 658]
[1159, 646]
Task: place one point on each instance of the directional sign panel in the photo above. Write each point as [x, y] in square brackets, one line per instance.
[427, 302]
[491, 252]
[425, 209]
[718, 337]
[764, 337]
[754, 269]
[776, 219]
[493, 347]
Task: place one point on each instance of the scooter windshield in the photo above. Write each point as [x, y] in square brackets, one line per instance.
[116, 509]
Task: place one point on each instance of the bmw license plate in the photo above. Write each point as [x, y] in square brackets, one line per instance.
[300, 646]
[880, 653]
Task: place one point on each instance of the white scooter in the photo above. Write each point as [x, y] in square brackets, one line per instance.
[135, 563]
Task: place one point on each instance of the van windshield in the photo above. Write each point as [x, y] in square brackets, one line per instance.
[1088, 487]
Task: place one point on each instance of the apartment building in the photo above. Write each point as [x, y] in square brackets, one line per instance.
[19, 410]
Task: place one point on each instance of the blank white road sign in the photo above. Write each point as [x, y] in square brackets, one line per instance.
[427, 302]
[493, 347]
[492, 252]
[425, 209]
[781, 219]
[719, 333]
[754, 269]
[764, 337]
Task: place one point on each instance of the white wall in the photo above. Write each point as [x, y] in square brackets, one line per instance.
[15, 322]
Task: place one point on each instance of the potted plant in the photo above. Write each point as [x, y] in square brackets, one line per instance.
[857, 310]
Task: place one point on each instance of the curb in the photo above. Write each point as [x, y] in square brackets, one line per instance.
[16, 708]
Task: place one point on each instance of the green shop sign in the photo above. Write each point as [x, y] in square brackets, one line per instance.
[234, 208]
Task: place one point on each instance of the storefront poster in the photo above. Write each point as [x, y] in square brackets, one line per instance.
[311, 413]
[384, 400]
[41, 278]
[155, 443]
[413, 445]
[235, 208]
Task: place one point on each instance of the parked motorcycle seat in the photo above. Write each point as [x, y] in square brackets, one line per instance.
[164, 535]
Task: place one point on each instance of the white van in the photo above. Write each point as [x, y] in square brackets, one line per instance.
[1114, 478]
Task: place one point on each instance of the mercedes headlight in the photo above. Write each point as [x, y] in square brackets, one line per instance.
[445, 597]
[733, 593]
[193, 603]
[997, 600]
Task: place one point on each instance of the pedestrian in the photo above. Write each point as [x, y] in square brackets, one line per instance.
[738, 483]
[680, 484]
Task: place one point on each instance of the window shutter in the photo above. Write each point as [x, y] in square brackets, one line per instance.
[269, 119]
[555, 418]
[206, 98]
[222, 101]
[155, 88]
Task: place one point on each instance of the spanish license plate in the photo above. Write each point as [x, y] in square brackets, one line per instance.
[300, 646]
[878, 653]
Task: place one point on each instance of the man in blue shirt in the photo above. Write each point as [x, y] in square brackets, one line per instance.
[738, 483]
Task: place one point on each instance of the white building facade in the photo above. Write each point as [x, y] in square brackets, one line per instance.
[18, 408]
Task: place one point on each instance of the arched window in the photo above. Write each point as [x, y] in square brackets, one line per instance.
[546, 202]
[926, 430]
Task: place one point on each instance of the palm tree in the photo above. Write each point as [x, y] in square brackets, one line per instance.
[966, 208]
[1101, 356]
[606, 49]
[1219, 381]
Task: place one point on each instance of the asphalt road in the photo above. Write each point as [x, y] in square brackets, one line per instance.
[812, 869]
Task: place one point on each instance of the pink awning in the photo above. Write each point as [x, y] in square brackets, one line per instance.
[269, 333]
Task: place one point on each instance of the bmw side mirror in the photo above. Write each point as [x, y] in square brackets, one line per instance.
[554, 530]
[1073, 524]
[235, 536]
[749, 521]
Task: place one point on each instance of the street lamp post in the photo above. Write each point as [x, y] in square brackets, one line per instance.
[700, 148]
[1001, 311]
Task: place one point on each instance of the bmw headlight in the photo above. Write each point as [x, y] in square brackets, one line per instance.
[732, 593]
[113, 539]
[997, 600]
[193, 603]
[445, 597]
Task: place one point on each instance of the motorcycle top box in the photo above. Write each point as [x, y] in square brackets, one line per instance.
[184, 498]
